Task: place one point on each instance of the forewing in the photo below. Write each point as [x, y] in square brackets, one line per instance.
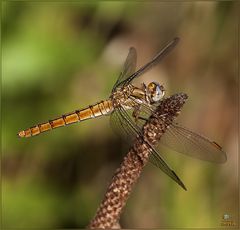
[189, 143]
[128, 68]
[165, 51]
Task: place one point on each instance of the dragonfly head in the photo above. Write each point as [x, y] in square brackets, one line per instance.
[155, 91]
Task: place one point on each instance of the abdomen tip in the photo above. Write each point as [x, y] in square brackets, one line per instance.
[21, 134]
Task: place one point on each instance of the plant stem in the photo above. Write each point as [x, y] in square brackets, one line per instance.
[108, 213]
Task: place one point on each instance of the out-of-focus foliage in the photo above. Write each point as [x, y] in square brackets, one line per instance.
[58, 57]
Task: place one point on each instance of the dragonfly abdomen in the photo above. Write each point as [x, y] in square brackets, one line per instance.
[93, 111]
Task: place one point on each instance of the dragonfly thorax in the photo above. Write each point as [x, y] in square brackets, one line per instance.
[121, 95]
[130, 96]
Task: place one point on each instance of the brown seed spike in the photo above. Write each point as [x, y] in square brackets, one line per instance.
[129, 171]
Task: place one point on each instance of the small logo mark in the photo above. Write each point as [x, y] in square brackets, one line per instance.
[226, 216]
[227, 220]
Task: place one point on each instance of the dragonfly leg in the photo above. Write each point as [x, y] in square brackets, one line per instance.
[136, 112]
[142, 118]
[159, 117]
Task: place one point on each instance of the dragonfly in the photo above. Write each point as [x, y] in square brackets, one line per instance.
[130, 106]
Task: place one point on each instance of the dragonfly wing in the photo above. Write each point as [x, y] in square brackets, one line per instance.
[128, 68]
[165, 51]
[130, 126]
[121, 127]
[189, 143]
[159, 162]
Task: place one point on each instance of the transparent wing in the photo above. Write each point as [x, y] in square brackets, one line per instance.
[130, 126]
[187, 142]
[128, 68]
[159, 162]
[169, 47]
[121, 127]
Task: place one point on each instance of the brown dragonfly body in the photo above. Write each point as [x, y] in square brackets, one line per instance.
[119, 98]
[99, 109]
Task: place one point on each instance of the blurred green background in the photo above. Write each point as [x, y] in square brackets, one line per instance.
[58, 57]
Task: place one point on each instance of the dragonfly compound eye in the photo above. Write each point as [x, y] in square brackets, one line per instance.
[156, 91]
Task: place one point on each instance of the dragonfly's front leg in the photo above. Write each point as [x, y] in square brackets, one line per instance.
[136, 113]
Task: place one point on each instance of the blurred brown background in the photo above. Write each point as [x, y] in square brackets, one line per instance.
[58, 57]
